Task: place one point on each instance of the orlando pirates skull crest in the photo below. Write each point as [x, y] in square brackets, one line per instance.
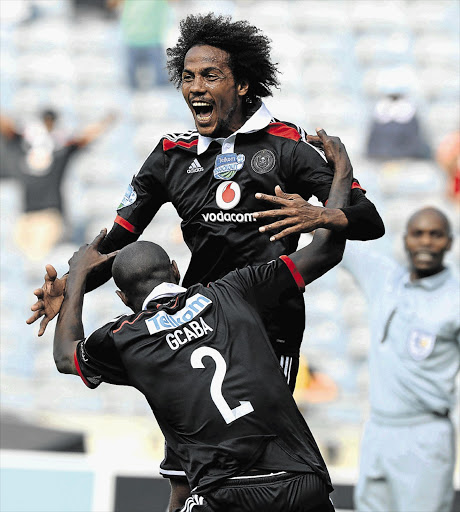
[263, 161]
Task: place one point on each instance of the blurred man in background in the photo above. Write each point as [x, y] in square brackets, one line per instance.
[38, 158]
[396, 132]
[408, 448]
[144, 25]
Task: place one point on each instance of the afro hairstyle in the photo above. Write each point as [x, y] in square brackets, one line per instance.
[248, 48]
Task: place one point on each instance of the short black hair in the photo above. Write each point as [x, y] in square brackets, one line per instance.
[139, 266]
[248, 48]
[434, 211]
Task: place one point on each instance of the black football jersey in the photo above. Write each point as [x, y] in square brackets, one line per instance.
[204, 362]
[213, 193]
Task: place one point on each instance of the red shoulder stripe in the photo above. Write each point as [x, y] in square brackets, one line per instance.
[125, 224]
[169, 144]
[295, 273]
[283, 130]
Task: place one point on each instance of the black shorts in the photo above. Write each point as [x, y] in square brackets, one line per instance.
[279, 492]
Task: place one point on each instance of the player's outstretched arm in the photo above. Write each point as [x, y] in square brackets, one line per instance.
[298, 215]
[326, 249]
[69, 328]
[359, 220]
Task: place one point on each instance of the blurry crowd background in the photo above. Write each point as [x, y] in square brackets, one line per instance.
[384, 76]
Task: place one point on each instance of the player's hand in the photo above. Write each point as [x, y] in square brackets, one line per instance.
[49, 299]
[88, 256]
[299, 215]
[334, 150]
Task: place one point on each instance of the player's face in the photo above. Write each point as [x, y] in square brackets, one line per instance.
[211, 93]
[426, 241]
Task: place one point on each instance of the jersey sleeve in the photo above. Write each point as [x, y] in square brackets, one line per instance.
[311, 175]
[97, 359]
[273, 282]
[144, 195]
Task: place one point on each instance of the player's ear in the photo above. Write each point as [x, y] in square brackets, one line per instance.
[175, 271]
[122, 297]
[243, 88]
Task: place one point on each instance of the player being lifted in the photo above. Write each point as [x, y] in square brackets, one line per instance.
[203, 360]
[211, 174]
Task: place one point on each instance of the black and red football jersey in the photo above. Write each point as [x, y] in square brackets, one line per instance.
[212, 184]
[204, 362]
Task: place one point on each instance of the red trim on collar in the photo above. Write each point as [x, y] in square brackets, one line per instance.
[295, 273]
[169, 144]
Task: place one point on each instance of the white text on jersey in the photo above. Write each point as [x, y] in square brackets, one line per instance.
[228, 217]
[193, 307]
[191, 331]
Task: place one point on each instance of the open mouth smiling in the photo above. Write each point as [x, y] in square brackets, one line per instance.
[203, 110]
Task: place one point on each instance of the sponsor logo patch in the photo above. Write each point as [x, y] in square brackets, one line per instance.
[263, 161]
[228, 195]
[163, 322]
[195, 166]
[227, 165]
[420, 344]
[129, 197]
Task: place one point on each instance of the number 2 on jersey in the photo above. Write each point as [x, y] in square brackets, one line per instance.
[229, 415]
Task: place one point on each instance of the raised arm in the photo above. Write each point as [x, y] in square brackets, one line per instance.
[326, 249]
[69, 327]
[93, 131]
[145, 195]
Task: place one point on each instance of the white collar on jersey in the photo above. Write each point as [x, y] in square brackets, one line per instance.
[163, 290]
[259, 120]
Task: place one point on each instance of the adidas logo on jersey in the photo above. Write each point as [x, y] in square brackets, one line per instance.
[195, 167]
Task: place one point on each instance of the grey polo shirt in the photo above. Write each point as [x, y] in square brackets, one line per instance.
[415, 335]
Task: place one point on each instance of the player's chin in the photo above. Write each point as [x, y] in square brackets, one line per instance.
[205, 130]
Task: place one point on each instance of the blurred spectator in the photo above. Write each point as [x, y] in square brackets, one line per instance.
[408, 447]
[38, 157]
[313, 386]
[144, 25]
[448, 158]
[395, 131]
[94, 8]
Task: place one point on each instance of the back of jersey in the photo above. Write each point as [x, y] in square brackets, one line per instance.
[208, 371]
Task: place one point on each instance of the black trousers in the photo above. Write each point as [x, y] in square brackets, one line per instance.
[285, 492]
